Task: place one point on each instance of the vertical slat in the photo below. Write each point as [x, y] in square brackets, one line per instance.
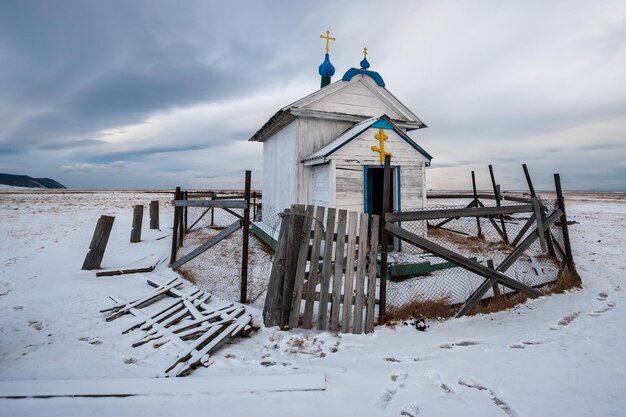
[303, 253]
[340, 246]
[349, 281]
[359, 289]
[539, 220]
[496, 192]
[273, 299]
[293, 245]
[569, 258]
[313, 269]
[371, 278]
[98, 243]
[326, 269]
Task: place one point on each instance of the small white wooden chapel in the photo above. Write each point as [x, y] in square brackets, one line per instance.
[328, 148]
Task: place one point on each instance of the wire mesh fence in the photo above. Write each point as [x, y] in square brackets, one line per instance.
[218, 270]
[419, 277]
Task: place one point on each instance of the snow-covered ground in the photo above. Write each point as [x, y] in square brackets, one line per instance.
[554, 356]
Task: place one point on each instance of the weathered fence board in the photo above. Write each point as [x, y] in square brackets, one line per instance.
[154, 215]
[98, 244]
[135, 233]
[313, 268]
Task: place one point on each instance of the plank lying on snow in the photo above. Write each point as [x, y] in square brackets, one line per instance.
[130, 387]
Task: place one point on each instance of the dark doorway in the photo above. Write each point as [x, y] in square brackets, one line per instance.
[374, 180]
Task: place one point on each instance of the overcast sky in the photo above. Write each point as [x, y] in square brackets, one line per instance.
[154, 94]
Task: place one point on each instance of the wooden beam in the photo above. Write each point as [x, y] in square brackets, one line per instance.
[539, 219]
[524, 229]
[384, 242]
[175, 229]
[460, 260]
[154, 215]
[569, 258]
[480, 233]
[208, 244]
[496, 191]
[135, 233]
[464, 212]
[272, 310]
[243, 299]
[240, 204]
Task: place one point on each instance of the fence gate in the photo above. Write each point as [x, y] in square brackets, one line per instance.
[324, 271]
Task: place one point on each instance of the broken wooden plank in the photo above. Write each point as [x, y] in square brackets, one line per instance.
[359, 288]
[123, 387]
[349, 281]
[338, 271]
[326, 269]
[313, 269]
[370, 308]
[303, 253]
[272, 309]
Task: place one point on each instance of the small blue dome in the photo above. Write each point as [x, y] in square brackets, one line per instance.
[326, 68]
[364, 64]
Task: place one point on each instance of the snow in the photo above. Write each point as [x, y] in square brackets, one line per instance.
[554, 356]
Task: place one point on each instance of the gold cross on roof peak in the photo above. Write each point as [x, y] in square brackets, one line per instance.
[365, 53]
[328, 38]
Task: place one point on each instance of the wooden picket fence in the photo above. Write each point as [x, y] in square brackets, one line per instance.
[324, 271]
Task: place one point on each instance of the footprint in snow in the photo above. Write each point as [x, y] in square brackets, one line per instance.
[391, 389]
[565, 320]
[609, 306]
[434, 377]
[409, 410]
[525, 344]
[471, 383]
[462, 343]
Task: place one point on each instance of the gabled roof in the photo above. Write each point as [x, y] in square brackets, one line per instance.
[321, 156]
[406, 118]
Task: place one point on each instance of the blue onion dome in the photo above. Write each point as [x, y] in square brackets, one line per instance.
[326, 68]
[364, 64]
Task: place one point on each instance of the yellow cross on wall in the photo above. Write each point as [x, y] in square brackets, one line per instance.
[328, 38]
[381, 149]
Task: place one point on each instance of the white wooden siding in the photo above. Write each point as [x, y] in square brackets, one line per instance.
[279, 167]
[355, 98]
[322, 181]
[313, 134]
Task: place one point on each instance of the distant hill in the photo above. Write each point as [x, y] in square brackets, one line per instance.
[29, 182]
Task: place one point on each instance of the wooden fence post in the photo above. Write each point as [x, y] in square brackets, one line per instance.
[98, 243]
[384, 242]
[135, 233]
[569, 258]
[480, 232]
[246, 238]
[175, 228]
[531, 188]
[154, 215]
[496, 191]
[272, 311]
[186, 210]
[181, 220]
[212, 211]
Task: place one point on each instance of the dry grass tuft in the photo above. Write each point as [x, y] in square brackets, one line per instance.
[476, 244]
[495, 304]
[188, 276]
[437, 309]
[565, 281]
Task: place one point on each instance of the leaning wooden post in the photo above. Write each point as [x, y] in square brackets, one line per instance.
[98, 243]
[569, 258]
[496, 192]
[135, 233]
[212, 210]
[542, 213]
[175, 228]
[246, 237]
[480, 232]
[154, 215]
[384, 242]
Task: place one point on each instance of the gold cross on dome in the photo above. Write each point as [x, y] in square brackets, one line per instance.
[365, 53]
[328, 38]
[381, 149]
